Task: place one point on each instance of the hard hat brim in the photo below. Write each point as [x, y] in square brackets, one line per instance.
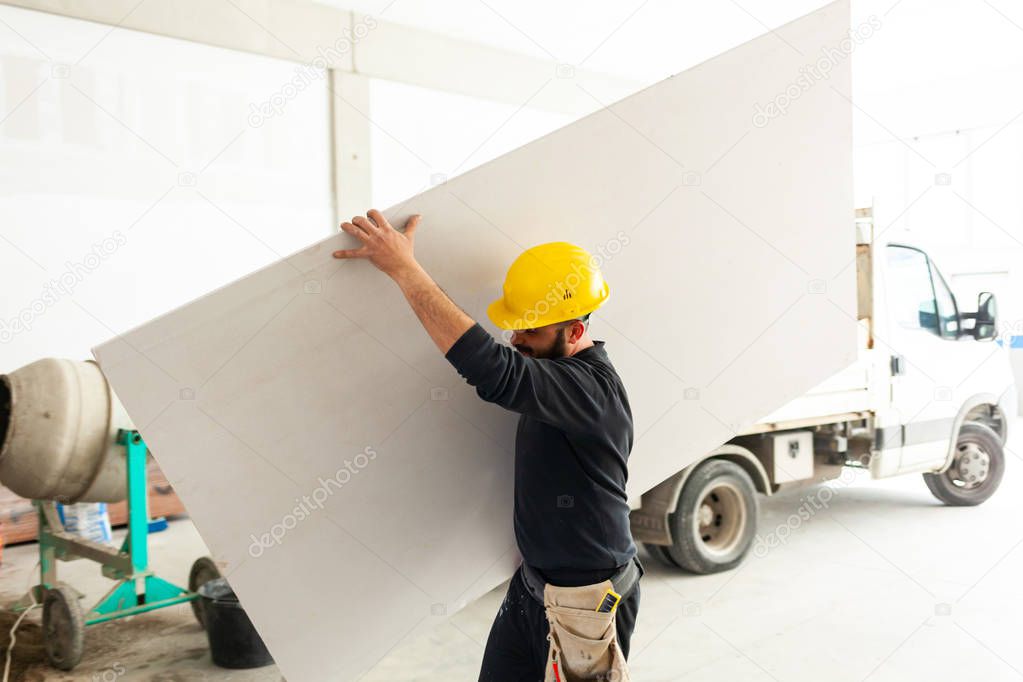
[512, 320]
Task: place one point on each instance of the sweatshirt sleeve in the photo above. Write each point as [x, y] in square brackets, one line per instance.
[563, 392]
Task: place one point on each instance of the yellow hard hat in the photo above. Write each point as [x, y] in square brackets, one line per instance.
[549, 283]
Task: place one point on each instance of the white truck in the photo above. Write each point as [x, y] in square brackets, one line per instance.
[929, 393]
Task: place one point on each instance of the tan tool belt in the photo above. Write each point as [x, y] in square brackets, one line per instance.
[583, 640]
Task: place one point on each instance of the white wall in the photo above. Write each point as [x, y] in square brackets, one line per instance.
[447, 135]
[135, 173]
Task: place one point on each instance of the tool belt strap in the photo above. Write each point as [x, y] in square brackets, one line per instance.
[623, 580]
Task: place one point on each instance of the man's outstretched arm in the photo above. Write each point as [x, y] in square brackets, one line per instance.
[560, 392]
[392, 253]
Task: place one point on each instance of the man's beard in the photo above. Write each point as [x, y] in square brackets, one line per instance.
[558, 349]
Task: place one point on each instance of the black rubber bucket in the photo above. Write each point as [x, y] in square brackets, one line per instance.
[234, 642]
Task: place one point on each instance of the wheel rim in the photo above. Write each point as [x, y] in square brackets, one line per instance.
[721, 519]
[971, 466]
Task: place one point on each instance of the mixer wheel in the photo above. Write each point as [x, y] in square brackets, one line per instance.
[203, 570]
[63, 627]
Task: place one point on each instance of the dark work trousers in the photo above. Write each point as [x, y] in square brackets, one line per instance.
[517, 647]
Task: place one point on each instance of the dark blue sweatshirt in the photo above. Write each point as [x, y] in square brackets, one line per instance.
[571, 451]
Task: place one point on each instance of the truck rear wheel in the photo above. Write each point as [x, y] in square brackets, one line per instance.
[661, 553]
[976, 471]
[715, 521]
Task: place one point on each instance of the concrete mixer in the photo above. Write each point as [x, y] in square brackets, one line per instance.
[65, 438]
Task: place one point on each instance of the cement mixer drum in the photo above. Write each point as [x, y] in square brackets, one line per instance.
[59, 421]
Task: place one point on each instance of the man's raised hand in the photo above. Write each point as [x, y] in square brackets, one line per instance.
[389, 250]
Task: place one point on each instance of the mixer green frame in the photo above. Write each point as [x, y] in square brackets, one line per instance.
[137, 590]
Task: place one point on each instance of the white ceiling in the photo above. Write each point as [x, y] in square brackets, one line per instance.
[650, 39]
[933, 65]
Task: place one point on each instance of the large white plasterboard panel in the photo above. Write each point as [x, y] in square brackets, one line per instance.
[728, 248]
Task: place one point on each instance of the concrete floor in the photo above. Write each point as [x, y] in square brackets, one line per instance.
[875, 581]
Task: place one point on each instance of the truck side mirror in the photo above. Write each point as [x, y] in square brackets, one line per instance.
[987, 316]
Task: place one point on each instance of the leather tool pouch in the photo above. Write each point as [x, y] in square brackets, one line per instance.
[583, 642]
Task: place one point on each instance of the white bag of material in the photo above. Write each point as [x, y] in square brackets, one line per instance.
[88, 520]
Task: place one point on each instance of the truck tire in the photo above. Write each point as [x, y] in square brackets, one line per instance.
[715, 522]
[976, 471]
[661, 553]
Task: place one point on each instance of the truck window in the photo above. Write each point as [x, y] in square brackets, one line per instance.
[948, 315]
[910, 292]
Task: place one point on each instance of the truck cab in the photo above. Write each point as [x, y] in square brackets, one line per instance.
[928, 394]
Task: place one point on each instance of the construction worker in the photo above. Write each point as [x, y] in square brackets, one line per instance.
[571, 607]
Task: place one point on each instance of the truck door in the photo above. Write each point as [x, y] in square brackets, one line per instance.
[931, 361]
